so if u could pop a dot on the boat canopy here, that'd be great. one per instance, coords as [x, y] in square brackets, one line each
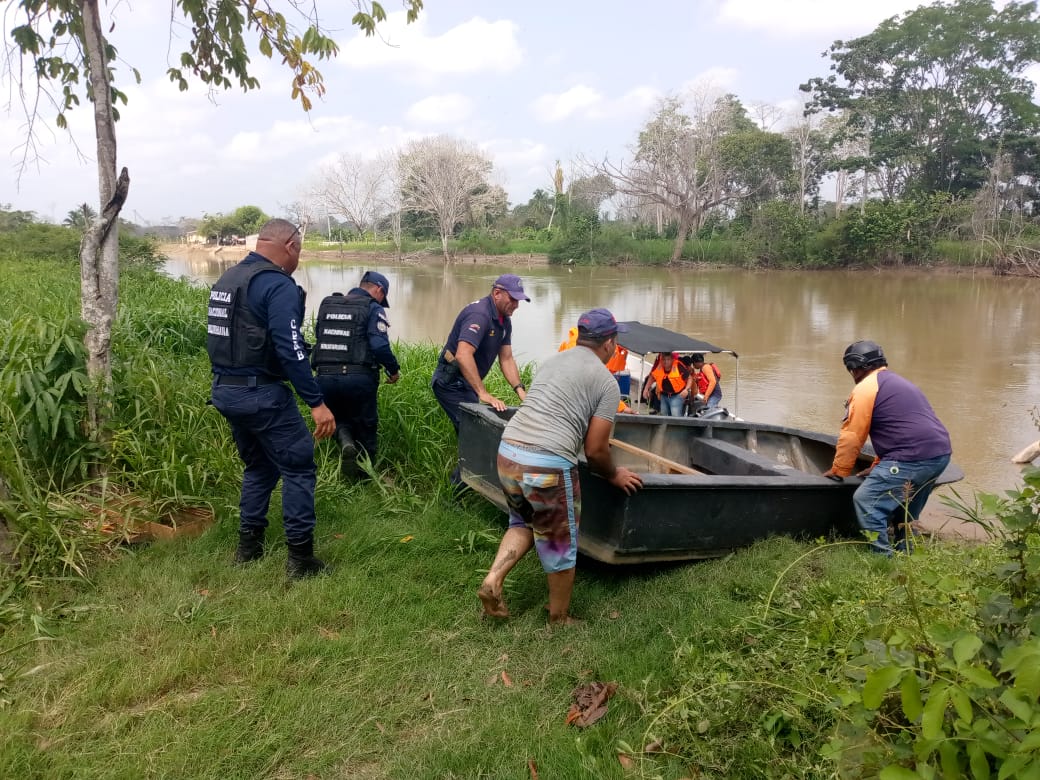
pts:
[644, 339]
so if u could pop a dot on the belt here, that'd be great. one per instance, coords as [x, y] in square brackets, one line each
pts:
[245, 381]
[345, 369]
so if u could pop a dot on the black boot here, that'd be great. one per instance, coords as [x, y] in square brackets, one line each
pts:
[302, 562]
[250, 546]
[348, 453]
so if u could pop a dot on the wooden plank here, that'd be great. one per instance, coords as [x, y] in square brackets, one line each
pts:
[798, 455]
[674, 467]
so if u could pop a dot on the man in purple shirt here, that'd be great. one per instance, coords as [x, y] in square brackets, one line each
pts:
[482, 332]
[255, 345]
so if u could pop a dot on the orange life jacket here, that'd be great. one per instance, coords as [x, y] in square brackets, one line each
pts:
[620, 360]
[616, 363]
[674, 376]
[570, 341]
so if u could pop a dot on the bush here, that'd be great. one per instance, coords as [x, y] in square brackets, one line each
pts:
[948, 697]
[780, 233]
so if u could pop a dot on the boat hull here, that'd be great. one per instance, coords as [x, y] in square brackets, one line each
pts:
[755, 481]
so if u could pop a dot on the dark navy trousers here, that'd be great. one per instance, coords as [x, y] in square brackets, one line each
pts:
[273, 441]
[450, 393]
[353, 400]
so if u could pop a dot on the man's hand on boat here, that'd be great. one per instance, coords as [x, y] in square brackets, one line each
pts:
[627, 480]
[494, 403]
[829, 473]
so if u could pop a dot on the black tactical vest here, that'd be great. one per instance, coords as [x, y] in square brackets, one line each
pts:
[235, 338]
[341, 332]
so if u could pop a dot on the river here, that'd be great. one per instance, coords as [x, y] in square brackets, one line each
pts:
[971, 342]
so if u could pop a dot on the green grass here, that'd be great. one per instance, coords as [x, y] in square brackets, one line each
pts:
[167, 661]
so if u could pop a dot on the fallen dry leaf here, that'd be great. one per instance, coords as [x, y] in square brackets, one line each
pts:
[626, 761]
[654, 747]
[506, 679]
[381, 727]
[590, 703]
[532, 768]
[491, 680]
[503, 658]
[203, 592]
[213, 631]
[338, 536]
[407, 538]
[327, 633]
[614, 615]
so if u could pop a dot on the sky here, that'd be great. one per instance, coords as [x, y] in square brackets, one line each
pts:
[528, 81]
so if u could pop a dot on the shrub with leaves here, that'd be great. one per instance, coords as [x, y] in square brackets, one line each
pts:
[950, 699]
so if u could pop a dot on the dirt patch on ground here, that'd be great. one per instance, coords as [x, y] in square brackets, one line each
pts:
[937, 521]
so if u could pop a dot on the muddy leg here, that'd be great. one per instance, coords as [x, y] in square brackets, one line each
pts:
[514, 546]
[561, 585]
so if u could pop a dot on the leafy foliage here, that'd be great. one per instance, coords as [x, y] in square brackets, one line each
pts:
[941, 698]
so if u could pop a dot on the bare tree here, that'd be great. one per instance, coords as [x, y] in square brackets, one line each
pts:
[439, 176]
[393, 204]
[693, 157]
[354, 188]
[809, 155]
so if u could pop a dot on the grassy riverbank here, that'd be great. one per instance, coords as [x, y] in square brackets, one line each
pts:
[165, 660]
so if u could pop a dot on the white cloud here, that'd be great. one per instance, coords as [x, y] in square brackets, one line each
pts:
[811, 17]
[474, 46]
[587, 103]
[441, 109]
[555, 108]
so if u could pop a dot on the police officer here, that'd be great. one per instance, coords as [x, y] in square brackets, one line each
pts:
[255, 345]
[352, 342]
[482, 332]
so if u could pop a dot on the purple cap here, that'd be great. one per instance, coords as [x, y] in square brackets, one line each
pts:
[376, 278]
[600, 323]
[511, 284]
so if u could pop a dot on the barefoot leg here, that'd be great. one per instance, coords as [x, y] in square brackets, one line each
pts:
[514, 546]
[561, 585]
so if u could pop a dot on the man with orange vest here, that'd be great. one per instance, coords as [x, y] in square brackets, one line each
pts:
[672, 380]
[707, 379]
[617, 362]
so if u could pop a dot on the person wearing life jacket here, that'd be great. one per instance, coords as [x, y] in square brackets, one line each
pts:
[618, 361]
[352, 343]
[256, 351]
[672, 381]
[912, 445]
[707, 378]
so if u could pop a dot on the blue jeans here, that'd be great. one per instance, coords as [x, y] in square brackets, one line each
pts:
[672, 405]
[895, 491]
[715, 398]
[273, 441]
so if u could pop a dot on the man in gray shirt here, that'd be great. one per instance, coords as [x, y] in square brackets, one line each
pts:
[570, 407]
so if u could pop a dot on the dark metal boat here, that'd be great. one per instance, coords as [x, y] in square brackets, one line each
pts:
[709, 486]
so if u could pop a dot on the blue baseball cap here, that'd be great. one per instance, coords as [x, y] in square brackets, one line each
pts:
[511, 284]
[600, 323]
[376, 278]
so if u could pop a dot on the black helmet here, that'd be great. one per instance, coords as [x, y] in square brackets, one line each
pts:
[863, 354]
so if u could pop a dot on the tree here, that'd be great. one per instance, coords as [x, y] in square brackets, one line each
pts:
[692, 158]
[79, 217]
[935, 92]
[439, 176]
[354, 188]
[65, 42]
